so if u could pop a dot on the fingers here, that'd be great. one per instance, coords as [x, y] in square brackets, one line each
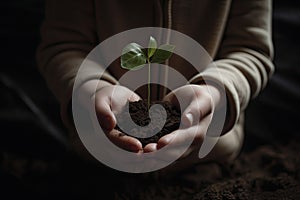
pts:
[134, 97]
[199, 107]
[104, 113]
[177, 140]
[125, 142]
[195, 101]
[181, 137]
[110, 100]
[120, 96]
[166, 155]
[194, 133]
[171, 154]
[180, 143]
[150, 148]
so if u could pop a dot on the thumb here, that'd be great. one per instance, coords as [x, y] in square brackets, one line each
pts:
[197, 110]
[192, 114]
[134, 97]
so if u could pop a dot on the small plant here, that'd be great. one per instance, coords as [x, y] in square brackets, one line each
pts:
[134, 57]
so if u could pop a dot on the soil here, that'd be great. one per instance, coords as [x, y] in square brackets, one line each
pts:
[140, 115]
[263, 171]
[36, 167]
[268, 172]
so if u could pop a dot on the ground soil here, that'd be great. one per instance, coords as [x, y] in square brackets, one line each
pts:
[140, 115]
[268, 171]
[265, 170]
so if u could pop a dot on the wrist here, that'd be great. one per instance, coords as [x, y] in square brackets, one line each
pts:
[215, 95]
[86, 92]
[90, 87]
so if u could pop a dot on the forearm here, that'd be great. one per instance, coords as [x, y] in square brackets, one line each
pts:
[243, 63]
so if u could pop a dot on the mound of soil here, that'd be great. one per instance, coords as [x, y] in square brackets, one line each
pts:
[140, 115]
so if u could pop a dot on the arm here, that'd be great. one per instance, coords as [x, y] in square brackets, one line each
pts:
[68, 36]
[244, 61]
[244, 57]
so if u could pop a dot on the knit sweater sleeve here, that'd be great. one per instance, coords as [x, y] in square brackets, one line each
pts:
[68, 34]
[244, 56]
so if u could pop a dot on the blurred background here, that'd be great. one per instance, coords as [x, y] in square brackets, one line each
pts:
[34, 157]
[274, 114]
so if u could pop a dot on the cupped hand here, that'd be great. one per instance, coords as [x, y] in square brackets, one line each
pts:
[198, 103]
[109, 101]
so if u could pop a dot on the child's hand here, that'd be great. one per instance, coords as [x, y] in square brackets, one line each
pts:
[110, 100]
[199, 102]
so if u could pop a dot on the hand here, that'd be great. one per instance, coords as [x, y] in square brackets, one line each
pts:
[109, 100]
[198, 103]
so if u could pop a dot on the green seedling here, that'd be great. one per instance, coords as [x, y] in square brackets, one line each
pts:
[135, 57]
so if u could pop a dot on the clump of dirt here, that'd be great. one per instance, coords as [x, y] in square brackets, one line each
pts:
[140, 115]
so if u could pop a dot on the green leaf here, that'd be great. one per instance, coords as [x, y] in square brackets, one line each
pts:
[133, 57]
[151, 47]
[163, 53]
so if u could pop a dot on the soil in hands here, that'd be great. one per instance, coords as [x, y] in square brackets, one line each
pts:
[139, 114]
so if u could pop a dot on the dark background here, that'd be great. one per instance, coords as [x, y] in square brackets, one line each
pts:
[275, 112]
[29, 114]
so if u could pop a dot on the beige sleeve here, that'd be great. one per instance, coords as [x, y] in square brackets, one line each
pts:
[68, 34]
[244, 56]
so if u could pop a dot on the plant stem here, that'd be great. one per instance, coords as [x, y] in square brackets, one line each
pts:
[149, 80]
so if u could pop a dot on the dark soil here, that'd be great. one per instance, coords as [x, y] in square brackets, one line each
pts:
[140, 115]
[266, 172]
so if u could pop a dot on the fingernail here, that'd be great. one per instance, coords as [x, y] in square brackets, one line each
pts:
[133, 98]
[190, 119]
[166, 140]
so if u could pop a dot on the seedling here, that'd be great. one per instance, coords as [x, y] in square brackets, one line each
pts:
[134, 57]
